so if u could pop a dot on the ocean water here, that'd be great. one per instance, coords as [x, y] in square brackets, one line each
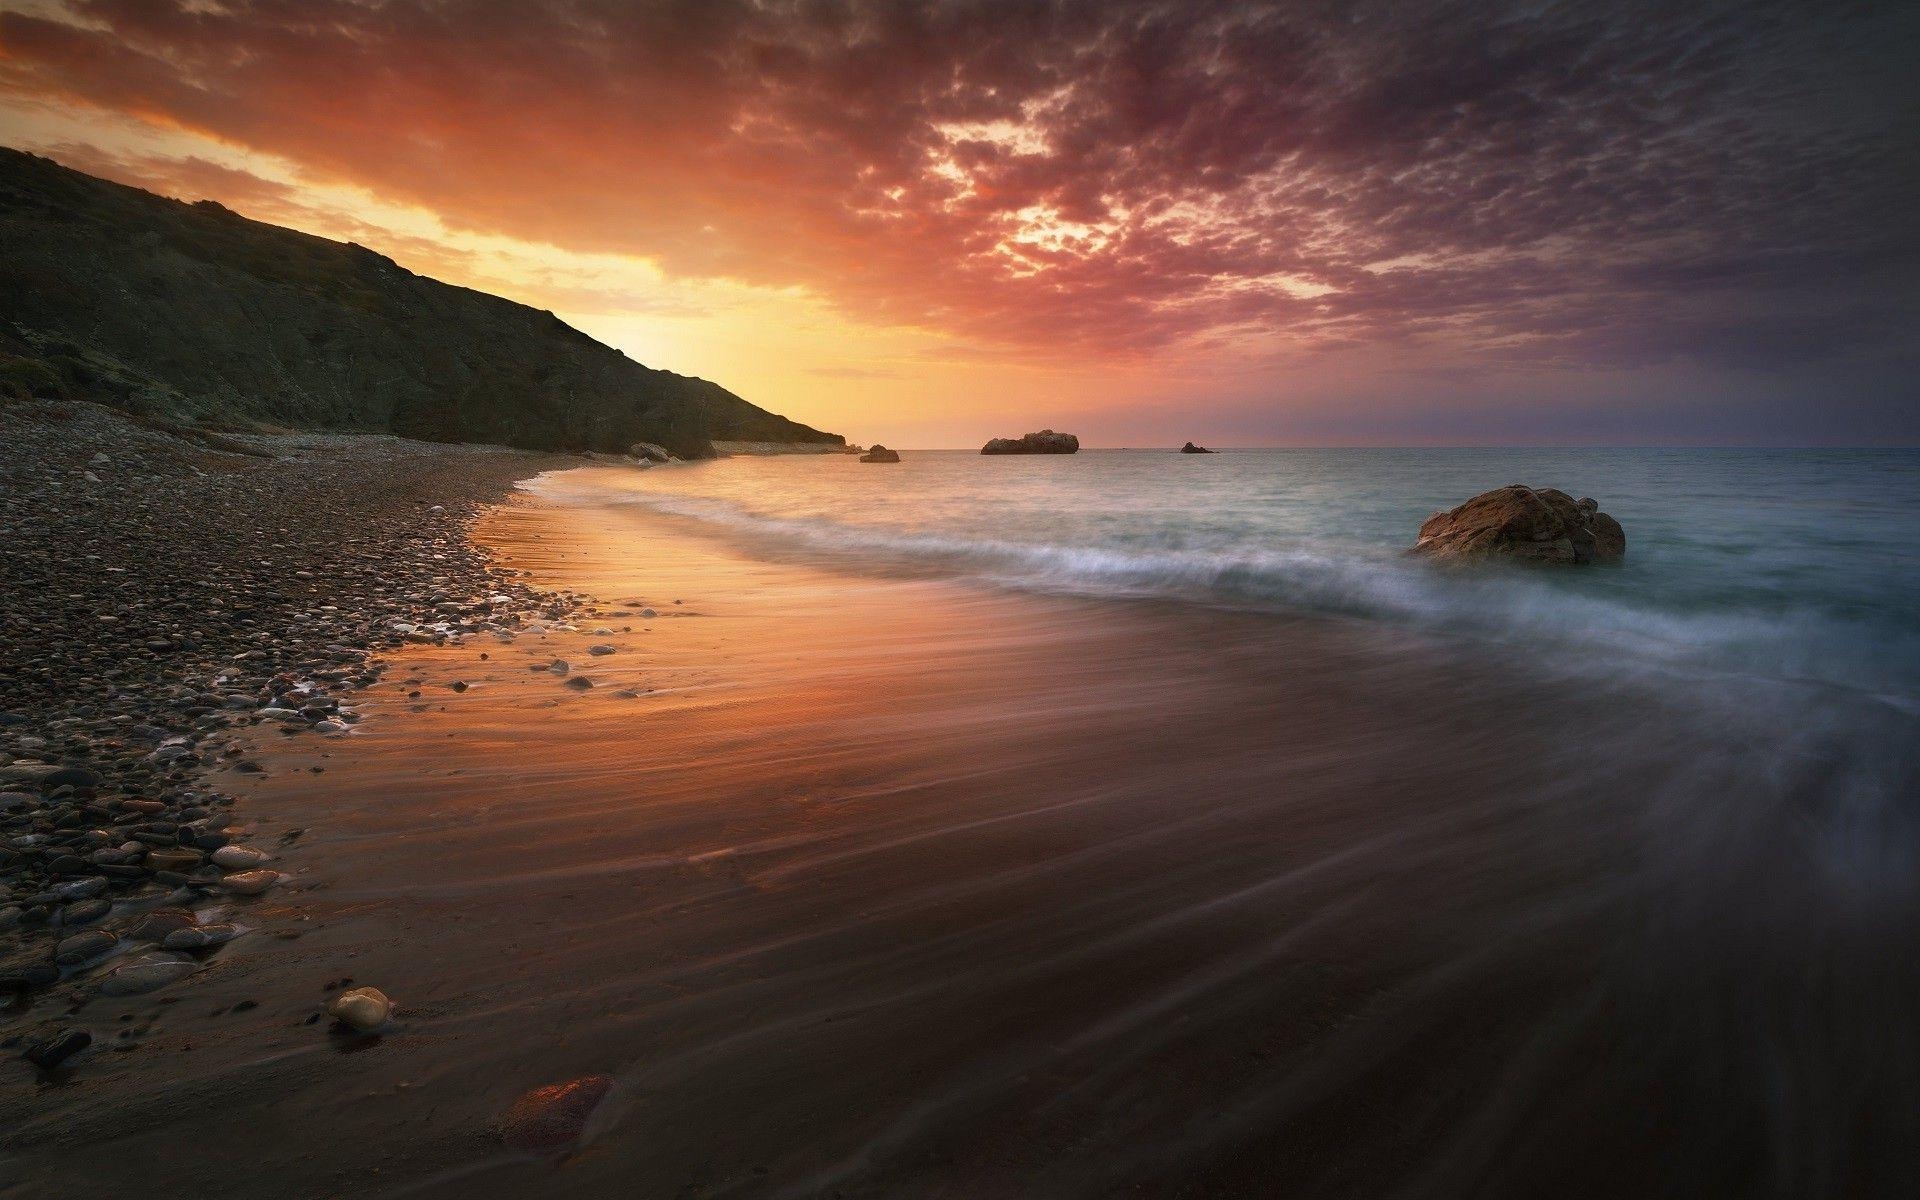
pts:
[1607, 880]
[1775, 568]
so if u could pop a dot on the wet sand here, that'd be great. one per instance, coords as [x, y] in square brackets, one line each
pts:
[890, 886]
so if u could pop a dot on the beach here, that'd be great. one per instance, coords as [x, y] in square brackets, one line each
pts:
[876, 882]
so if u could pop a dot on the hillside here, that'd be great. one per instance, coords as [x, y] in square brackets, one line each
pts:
[190, 312]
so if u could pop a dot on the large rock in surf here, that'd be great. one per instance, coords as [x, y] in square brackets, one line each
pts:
[1190, 448]
[880, 454]
[1044, 442]
[1526, 524]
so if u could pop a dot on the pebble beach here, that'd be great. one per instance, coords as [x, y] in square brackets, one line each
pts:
[172, 602]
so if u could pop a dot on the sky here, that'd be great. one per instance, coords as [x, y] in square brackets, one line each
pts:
[930, 222]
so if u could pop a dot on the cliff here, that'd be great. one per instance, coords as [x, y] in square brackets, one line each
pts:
[190, 312]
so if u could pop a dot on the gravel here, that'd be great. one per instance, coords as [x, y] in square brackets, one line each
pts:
[168, 597]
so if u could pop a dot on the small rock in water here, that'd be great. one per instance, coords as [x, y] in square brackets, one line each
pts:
[250, 883]
[146, 974]
[580, 683]
[554, 1118]
[49, 1054]
[558, 666]
[363, 1009]
[239, 858]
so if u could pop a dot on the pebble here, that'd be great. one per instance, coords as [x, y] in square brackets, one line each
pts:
[84, 912]
[554, 1118]
[156, 925]
[364, 1009]
[146, 974]
[201, 937]
[84, 946]
[580, 682]
[601, 650]
[239, 858]
[178, 859]
[250, 883]
[48, 1055]
[248, 598]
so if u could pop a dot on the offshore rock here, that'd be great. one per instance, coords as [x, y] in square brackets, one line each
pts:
[1525, 524]
[1044, 442]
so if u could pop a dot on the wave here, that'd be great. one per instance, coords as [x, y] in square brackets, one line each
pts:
[1547, 618]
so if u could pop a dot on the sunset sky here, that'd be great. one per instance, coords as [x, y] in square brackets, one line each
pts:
[927, 223]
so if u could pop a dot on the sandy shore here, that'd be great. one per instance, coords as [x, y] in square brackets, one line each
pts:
[873, 886]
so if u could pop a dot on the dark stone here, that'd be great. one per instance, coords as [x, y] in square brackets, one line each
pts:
[1190, 448]
[880, 454]
[1044, 442]
[76, 777]
[49, 1054]
[553, 1119]
[1526, 525]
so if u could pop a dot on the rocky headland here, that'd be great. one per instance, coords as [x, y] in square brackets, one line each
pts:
[191, 313]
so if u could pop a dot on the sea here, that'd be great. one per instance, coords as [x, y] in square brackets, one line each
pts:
[1619, 864]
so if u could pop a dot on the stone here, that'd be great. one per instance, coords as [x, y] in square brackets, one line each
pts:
[880, 454]
[1190, 448]
[602, 650]
[1523, 524]
[1044, 442]
[580, 683]
[177, 858]
[146, 974]
[250, 883]
[83, 947]
[156, 925]
[49, 1054]
[200, 937]
[79, 889]
[240, 858]
[85, 912]
[649, 452]
[363, 1009]
[555, 1118]
[27, 976]
[78, 777]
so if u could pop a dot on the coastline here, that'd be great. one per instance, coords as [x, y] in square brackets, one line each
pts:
[851, 855]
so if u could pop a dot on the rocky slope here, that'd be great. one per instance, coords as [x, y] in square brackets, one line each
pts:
[189, 312]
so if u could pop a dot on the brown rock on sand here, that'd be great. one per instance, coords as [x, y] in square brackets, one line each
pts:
[1542, 525]
[552, 1119]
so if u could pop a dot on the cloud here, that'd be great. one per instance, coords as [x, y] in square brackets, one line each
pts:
[1541, 185]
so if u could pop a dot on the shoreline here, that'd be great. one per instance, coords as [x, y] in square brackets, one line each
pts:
[139, 674]
[838, 879]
